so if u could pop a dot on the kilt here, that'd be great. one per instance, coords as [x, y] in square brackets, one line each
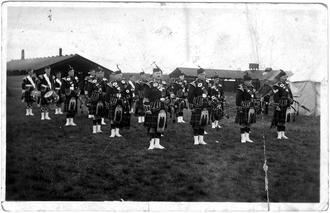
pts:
[139, 108]
[196, 118]
[126, 120]
[245, 117]
[92, 108]
[279, 117]
[152, 119]
[126, 116]
[180, 105]
[43, 101]
[100, 112]
[28, 97]
[60, 99]
[216, 113]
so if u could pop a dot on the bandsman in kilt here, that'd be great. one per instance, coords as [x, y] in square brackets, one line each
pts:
[103, 81]
[29, 91]
[217, 102]
[283, 100]
[118, 104]
[266, 91]
[155, 107]
[139, 89]
[71, 90]
[88, 81]
[246, 112]
[200, 105]
[130, 94]
[96, 98]
[46, 83]
[59, 89]
[178, 92]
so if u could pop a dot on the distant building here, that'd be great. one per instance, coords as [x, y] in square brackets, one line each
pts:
[57, 63]
[136, 76]
[230, 79]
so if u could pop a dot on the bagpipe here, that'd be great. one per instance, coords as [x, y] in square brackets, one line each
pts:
[266, 90]
[300, 105]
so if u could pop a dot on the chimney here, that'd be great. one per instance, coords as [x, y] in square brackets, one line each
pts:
[60, 52]
[22, 55]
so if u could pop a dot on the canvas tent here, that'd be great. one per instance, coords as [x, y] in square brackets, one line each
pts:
[307, 93]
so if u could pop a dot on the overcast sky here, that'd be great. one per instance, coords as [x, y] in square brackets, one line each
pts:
[225, 36]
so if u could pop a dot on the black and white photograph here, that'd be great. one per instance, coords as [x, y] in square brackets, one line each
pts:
[164, 106]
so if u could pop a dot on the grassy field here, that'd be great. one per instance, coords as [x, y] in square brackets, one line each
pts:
[47, 161]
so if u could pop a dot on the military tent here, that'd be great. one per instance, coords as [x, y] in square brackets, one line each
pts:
[307, 94]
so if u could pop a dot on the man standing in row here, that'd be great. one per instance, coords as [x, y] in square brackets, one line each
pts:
[58, 86]
[71, 89]
[87, 89]
[155, 108]
[139, 88]
[199, 105]
[29, 85]
[95, 92]
[245, 108]
[118, 104]
[179, 90]
[46, 84]
[217, 100]
[283, 99]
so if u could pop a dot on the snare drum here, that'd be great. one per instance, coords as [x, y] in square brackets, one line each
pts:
[51, 97]
[35, 94]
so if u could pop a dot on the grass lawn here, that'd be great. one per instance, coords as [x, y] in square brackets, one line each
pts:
[47, 161]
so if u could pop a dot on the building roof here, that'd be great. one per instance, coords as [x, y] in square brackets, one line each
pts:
[233, 74]
[40, 63]
[35, 63]
[263, 75]
[136, 76]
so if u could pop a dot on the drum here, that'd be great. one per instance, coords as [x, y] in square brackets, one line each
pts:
[198, 101]
[51, 97]
[155, 106]
[35, 94]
